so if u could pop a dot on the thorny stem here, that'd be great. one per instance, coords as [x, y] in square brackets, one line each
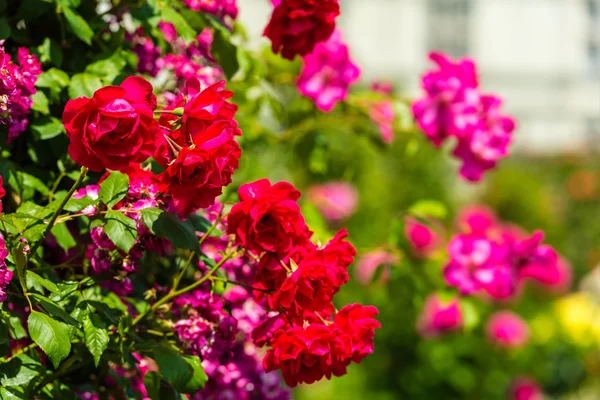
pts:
[65, 218]
[186, 289]
[82, 175]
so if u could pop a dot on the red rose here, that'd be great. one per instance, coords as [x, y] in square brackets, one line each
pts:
[357, 321]
[199, 173]
[268, 218]
[319, 275]
[271, 273]
[202, 108]
[296, 26]
[2, 193]
[114, 128]
[303, 355]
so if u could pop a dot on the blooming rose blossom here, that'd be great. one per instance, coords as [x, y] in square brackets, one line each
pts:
[328, 72]
[199, 173]
[114, 128]
[439, 317]
[318, 276]
[17, 85]
[296, 26]
[507, 329]
[337, 201]
[370, 262]
[307, 354]
[268, 218]
[454, 107]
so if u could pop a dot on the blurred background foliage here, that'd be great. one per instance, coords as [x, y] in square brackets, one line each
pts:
[558, 195]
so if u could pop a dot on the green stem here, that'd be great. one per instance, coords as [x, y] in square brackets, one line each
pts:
[65, 218]
[82, 175]
[186, 289]
[19, 352]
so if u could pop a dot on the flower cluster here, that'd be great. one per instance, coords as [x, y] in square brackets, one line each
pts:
[116, 130]
[204, 151]
[497, 258]
[296, 26]
[219, 8]
[184, 60]
[328, 72]
[17, 85]
[307, 339]
[453, 107]
[102, 254]
[223, 342]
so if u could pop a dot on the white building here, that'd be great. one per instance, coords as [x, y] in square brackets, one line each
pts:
[541, 56]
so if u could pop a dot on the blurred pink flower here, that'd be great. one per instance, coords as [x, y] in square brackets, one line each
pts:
[525, 389]
[422, 238]
[507, 329]
[337, 201]
[476, 219]
[382, 87]
[328, 72]
[369, 263]
[382, 113]
[439, 317]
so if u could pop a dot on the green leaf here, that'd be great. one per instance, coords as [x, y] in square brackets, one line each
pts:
[40, 102]
[52, 336]
[63, 237]
[49, 128]
[54, 309]
[50, 50]
[53, 78]
[199, 377]
[173, 367]
[12, 393]
[149, 216]
[84, 85]
[34, 279]
[80, 28]
[114, 188]
[24, 184]
[199, 223]
[19, 371]
[109, 68]
[75, 205]
[428, 208]
[182, 27]
[121, 230]
[181, 234]
[96, 336]
[152, 384]
[225, 53]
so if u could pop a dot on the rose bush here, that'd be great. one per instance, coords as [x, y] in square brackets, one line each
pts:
[151, 245]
